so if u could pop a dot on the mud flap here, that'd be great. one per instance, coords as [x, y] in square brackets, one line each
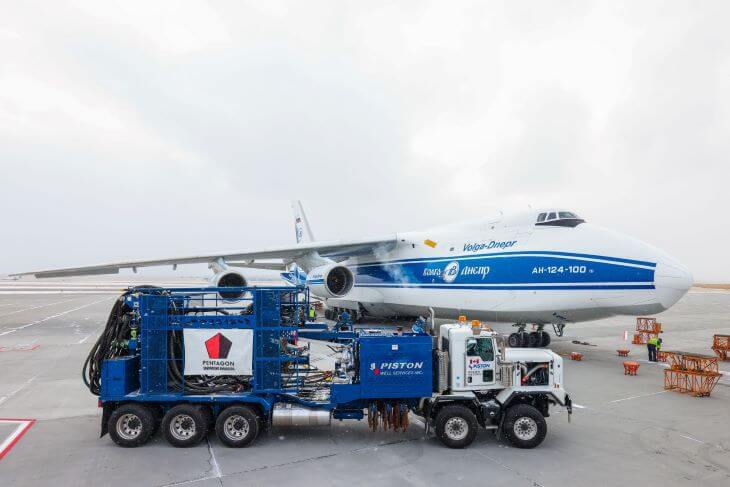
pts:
[106, 412]
[569, 406]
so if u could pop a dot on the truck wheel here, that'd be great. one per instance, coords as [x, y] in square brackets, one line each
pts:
[237, 426]
[514, 340]
[456, 426]
[184, 425]
[544, 339]
[524, 426]
[131, 425]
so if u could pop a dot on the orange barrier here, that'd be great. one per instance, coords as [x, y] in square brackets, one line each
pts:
[693, 362]
[630, 367]
[649, 325]
[646, 328]
[698, 384]
[661, 355]
[721, 346]
[623, 353]
[576, 356]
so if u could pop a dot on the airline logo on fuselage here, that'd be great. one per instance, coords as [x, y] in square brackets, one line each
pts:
[492, 244]
[453, 270]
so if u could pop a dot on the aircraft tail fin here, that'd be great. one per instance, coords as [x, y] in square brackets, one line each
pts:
[301, 225]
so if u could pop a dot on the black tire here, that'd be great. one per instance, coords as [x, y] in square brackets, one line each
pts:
[157, 415]
[209, 418]
[456, 426]
[237, 426]
[523, 338]
[185, 425]
[544, 339]
[524, 426]
[533, 339]
[514, 340]
[131, 425]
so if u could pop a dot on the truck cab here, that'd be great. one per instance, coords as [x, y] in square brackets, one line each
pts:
[480, 382]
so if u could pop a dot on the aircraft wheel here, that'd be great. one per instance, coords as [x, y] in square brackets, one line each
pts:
[514, 340]
[533, 340]
[544, 339]
[524, 337]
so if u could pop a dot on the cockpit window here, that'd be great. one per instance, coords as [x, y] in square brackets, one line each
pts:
[559, 219]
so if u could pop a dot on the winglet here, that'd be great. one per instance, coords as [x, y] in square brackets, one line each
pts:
[301, 225]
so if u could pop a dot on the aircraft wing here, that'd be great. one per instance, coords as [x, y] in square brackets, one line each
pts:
[337, 249]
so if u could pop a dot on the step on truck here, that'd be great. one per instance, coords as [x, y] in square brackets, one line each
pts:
[188, 361]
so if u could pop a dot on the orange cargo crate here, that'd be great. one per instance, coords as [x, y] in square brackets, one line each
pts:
[721, 346]
[698, 384]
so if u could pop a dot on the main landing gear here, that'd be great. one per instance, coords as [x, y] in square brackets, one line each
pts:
[534, 339]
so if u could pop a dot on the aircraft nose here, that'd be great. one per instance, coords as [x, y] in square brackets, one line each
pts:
[672, 280]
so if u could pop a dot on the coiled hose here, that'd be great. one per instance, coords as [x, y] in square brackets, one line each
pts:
[109, 345]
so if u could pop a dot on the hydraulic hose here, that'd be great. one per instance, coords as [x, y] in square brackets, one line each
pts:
[108, 345]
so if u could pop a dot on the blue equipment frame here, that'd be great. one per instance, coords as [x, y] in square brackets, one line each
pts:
[389, 366]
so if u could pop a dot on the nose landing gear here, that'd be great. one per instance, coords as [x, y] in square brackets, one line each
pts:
[535, 339]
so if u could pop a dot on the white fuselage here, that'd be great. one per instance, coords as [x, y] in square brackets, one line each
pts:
[513, 271]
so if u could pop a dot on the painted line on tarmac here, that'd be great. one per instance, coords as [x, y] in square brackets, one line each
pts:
[20, 348]
[36, 307]
[23, 426]
[13, 330]
[25, 384]
[637, 397]
[83, 340]
[693, 439]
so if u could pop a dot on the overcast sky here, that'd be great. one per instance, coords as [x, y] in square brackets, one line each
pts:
[133, 129]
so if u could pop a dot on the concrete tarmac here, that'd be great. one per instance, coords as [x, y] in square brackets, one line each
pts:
[625, 430]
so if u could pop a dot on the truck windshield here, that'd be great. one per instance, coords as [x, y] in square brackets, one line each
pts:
[480, 347]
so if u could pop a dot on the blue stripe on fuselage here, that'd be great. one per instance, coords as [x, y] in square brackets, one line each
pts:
[529, 270]
[525, 287]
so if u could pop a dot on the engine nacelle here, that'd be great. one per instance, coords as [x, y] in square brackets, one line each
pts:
[229, 279]
[330, 281]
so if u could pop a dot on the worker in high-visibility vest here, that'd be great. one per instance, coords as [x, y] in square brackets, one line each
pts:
[651, 345]
[312, 314]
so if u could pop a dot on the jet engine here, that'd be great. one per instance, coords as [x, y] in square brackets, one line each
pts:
[229, 279]
[330, 281]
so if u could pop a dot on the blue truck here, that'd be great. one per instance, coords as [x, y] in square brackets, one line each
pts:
[190, 360]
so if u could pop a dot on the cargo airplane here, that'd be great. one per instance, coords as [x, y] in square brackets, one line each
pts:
[545, 267]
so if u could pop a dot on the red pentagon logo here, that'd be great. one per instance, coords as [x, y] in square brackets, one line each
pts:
[218, 346]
